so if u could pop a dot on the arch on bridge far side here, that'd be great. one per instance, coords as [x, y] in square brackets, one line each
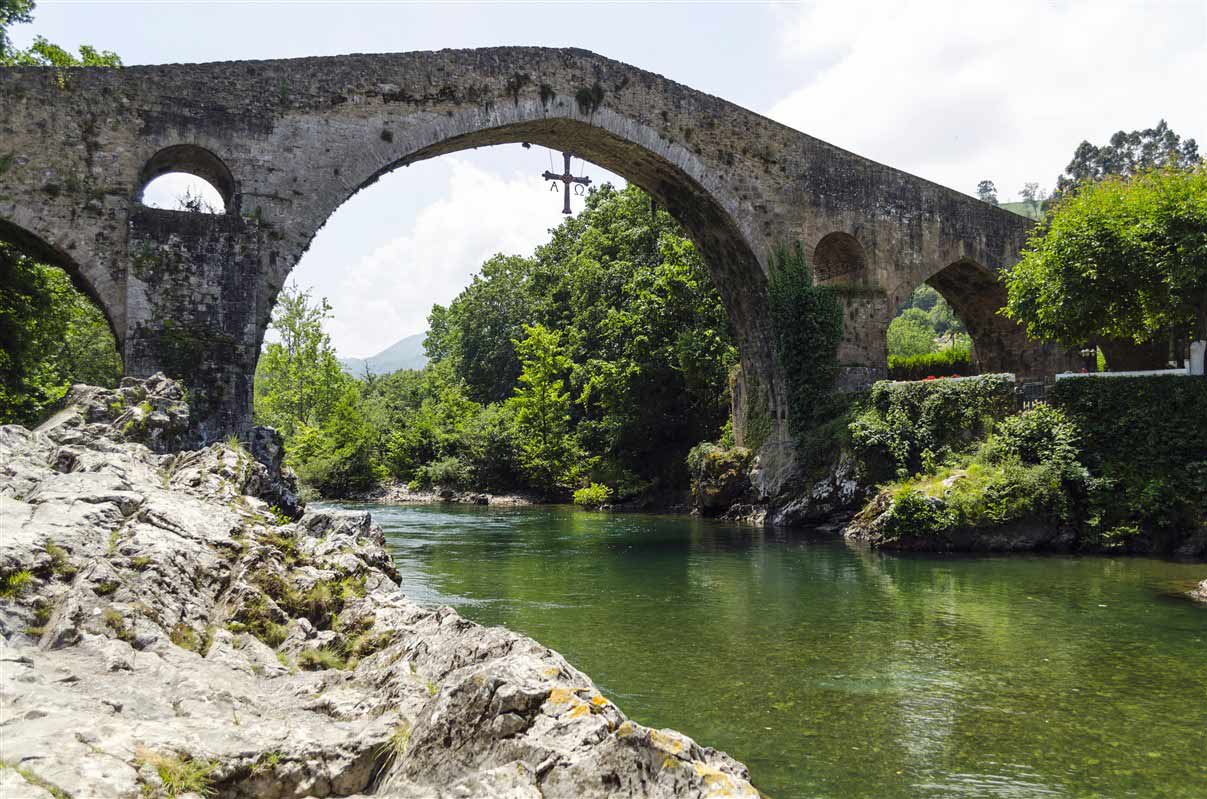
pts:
[977, 296]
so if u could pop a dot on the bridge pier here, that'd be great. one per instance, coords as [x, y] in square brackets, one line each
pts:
[195, 309]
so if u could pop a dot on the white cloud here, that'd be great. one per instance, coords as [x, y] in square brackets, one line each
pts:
[380, 297]
[957, 93]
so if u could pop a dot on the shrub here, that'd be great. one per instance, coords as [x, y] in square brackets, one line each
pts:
[901, 421]
[180, 774]
[1041, 434]
[950, 362]
[450, 472]
[1151, 423]
[1145, 439]
[592, 496]
[312, 659]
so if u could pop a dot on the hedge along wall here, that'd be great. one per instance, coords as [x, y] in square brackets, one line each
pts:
[954, 361]
[904, 420]
[1149, 424]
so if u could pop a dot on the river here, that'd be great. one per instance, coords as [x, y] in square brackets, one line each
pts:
[837, 672]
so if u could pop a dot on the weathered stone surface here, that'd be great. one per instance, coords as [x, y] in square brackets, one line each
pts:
[171, 622]
[286, 142]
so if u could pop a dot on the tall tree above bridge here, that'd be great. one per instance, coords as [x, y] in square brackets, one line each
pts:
[986, 191]
[1127, 154]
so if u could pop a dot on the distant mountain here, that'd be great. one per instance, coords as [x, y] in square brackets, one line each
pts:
[406, 353]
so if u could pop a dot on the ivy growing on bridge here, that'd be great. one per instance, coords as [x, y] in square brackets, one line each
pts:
[806, 322]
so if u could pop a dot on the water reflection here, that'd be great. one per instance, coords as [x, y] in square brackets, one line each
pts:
[835, 671]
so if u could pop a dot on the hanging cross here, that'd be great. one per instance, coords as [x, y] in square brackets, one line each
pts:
[567, 179]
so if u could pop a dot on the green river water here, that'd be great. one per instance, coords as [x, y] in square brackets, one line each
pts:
[832, 671]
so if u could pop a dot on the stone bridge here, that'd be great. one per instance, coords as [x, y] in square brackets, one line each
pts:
[286, 142]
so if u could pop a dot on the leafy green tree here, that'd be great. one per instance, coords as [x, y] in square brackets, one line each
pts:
[542, 408]
[1120, 258]
[51, 336]
[911, 334]
[299, 378]
[639, 318]
[12, 12]
[1128, 154]
[338, 456]
[43, 53]
[478, 329]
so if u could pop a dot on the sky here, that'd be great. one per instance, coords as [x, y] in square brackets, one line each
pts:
[953, 92]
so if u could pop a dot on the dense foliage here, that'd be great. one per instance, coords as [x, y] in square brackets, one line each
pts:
[601, 358]
[1120, 258]
[807, 323]
[51, 336]
[907, 426]
[1096, 463]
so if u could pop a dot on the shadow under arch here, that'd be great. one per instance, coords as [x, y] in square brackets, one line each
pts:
[37, 248]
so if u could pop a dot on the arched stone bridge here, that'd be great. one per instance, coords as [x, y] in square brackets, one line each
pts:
[286, 142]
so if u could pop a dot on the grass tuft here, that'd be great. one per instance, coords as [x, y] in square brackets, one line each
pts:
[180, 774]
[15, 584]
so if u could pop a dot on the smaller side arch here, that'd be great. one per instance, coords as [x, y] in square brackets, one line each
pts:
[999, 344]
[840, 258]
[194, 160]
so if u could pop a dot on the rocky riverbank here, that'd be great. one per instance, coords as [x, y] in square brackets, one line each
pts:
[168, 630]
[402, 494]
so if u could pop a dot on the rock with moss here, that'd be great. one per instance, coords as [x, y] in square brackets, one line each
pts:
[720, 477]
[164, 634]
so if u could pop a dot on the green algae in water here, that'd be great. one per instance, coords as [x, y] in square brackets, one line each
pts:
[836, 672]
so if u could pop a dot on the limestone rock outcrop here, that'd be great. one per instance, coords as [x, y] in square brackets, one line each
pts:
[165, 632]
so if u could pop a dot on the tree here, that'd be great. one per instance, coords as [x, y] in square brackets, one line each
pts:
[11, 12]
[542, 407]
[299, 379]
[51, 336]
[1033, 196]
[911, 334]
[1119, 259]
[337, 457]
[987, 192]
[1128, 154]
[642, 324]
[476, 331]
[43, 53]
